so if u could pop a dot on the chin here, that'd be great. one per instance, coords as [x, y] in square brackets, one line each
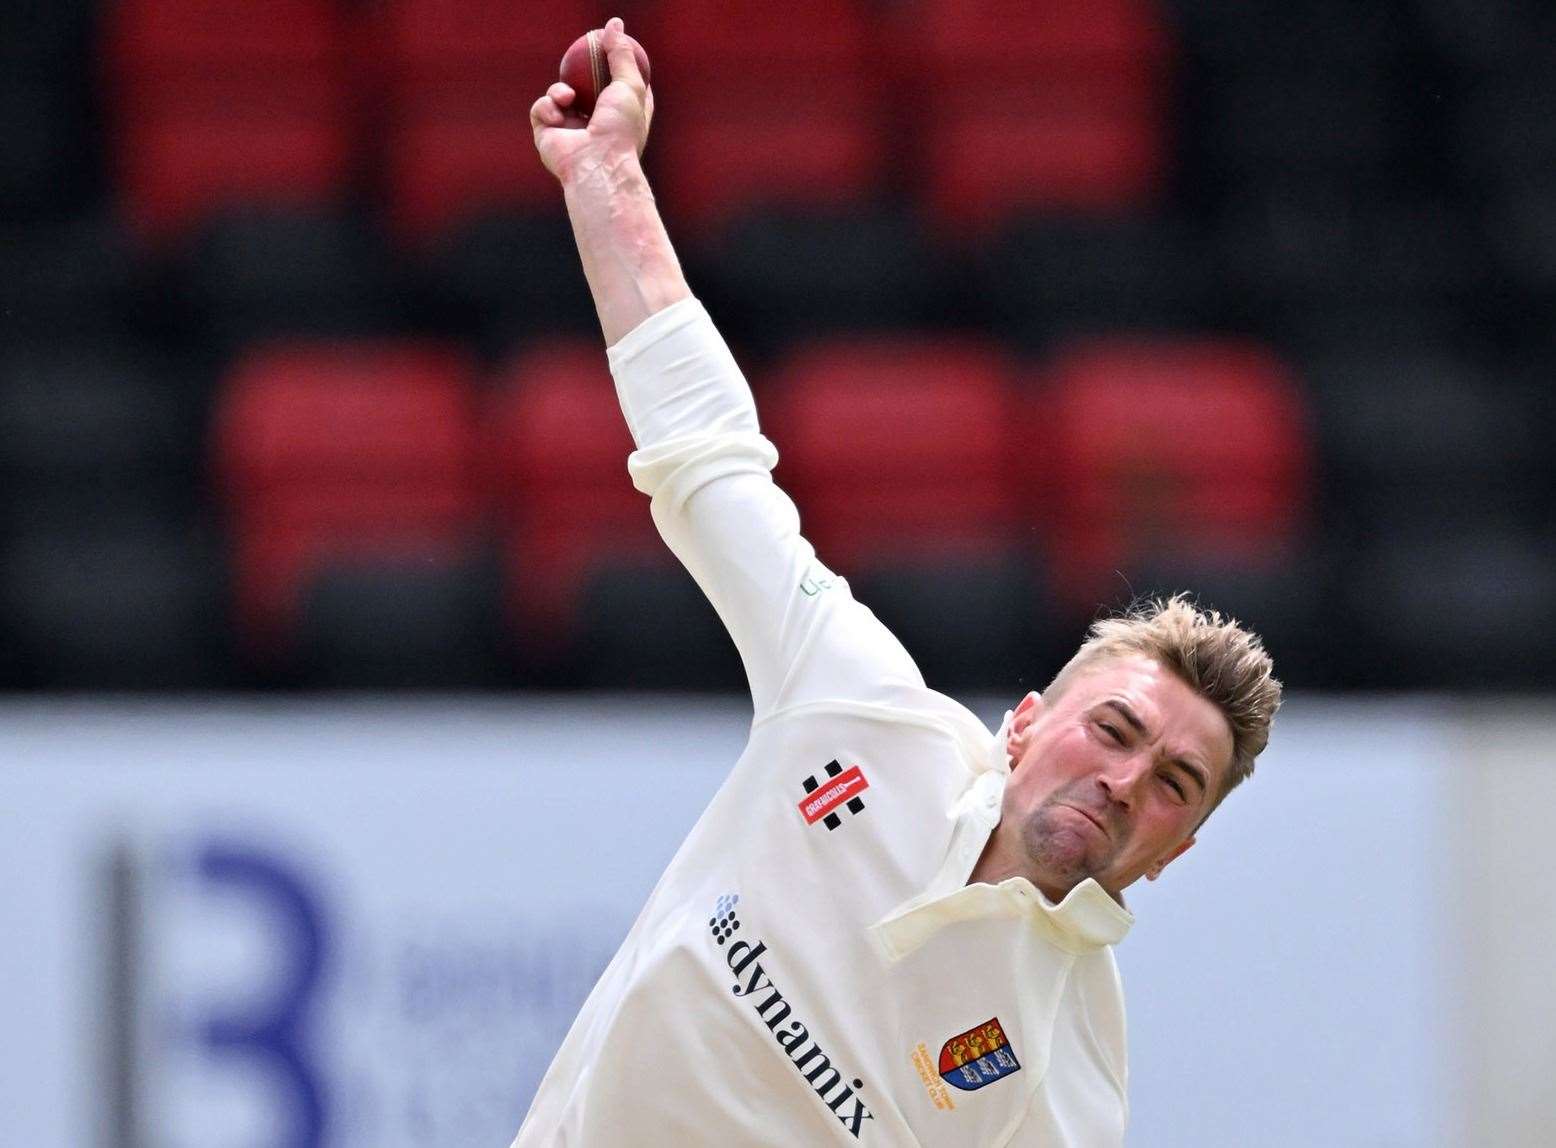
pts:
[1059, 854]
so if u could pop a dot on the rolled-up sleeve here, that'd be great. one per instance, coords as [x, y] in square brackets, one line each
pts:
[704, 463]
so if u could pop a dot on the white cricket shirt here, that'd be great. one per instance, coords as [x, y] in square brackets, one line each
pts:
[813, 967]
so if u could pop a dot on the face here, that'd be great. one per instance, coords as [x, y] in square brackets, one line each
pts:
[1110, 777]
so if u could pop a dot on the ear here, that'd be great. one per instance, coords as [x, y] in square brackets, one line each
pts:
[1027, 711]
[1155, 871]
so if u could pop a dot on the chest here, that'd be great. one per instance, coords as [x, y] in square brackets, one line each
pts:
[943, 1041]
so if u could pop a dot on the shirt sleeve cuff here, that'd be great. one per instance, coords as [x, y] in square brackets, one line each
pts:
[655, 327]
[676, 377]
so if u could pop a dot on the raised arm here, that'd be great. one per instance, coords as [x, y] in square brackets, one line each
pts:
[627, 257]
[701, 456]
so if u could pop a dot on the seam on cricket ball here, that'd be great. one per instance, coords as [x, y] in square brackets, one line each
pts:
[597, 68]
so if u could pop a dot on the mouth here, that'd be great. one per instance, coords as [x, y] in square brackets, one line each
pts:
[1091, 817]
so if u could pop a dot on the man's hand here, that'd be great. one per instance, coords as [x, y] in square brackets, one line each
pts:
[627, 258]
[568, 142]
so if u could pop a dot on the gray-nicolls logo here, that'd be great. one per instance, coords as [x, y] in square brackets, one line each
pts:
[753, 985]
[836, 789]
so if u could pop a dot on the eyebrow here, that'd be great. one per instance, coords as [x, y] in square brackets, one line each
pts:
[1188, 767]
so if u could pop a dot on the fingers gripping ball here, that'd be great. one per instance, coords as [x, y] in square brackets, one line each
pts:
[586, 70]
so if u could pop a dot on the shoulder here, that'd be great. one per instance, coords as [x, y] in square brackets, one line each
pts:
[887, 700]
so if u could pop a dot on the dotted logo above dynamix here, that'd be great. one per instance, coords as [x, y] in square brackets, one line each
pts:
[723, 922]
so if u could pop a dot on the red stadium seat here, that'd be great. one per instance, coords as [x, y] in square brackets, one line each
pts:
[441, 39]
[763, 105]
[699, 40]
[177, 169]
[1165, 449]
[1061, 162]
[168, 39]
[276, 555]
[556, 451]
[926, 468]
[1058, 106]
[329, 451]
[458, 78]
[715, 164]
[447, 166]
[954, 41]
[901, 455]
[211, 104]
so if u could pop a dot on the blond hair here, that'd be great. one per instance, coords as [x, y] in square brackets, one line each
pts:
[1220, 660]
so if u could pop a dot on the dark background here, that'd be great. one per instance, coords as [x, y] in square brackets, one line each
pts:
[1045, 304]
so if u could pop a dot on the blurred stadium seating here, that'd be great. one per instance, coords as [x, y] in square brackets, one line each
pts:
[933, 534]
[1045, 305]
[339, 455]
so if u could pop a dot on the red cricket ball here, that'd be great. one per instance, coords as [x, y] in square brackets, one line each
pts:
[586, 71]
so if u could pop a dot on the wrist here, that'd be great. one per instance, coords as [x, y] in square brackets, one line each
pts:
[611, 172]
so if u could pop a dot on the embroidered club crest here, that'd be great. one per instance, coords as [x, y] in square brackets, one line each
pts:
[978, 1057]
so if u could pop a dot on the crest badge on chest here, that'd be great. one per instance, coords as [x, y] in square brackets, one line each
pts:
[978, 1057]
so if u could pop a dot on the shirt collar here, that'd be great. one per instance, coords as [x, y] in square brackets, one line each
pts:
[1087, 919]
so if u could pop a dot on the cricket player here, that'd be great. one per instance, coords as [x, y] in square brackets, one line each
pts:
[890, 927]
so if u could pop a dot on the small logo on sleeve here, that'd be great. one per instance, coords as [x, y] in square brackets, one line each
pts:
[817, 578]
[838, 787]
[978, 1057]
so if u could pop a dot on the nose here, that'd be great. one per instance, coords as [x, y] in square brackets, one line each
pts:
[1121, 782]
[1117, 792]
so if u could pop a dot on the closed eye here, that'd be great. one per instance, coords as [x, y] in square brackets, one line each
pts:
[1177, 786]
[1112, 731]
